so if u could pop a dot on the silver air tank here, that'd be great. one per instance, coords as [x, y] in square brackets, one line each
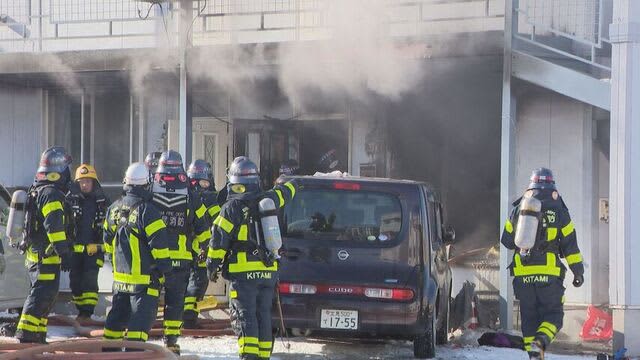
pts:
[270, 227]
[17, 214]
[528, 222]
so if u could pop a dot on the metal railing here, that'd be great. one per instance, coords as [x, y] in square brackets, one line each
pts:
[569, 29]
[56, 25]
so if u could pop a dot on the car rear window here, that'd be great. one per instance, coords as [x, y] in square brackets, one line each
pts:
[362, 217]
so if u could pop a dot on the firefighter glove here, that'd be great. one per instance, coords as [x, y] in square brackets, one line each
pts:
[578, 280]
[92, 249]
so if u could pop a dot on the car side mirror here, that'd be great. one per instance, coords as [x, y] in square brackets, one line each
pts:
[448, 234]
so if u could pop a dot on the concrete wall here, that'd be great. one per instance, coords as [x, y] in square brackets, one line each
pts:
[20, 134]
[557, 132]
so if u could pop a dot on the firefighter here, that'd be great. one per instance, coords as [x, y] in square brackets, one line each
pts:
[235, 247]
[151, 162]
[136, 240]
[89, 206]
[48, 250]
[536, 267]
[289, 168]
[187, 226]
[202, 185]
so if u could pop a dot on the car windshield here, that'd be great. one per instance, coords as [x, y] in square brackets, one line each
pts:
[355, 216]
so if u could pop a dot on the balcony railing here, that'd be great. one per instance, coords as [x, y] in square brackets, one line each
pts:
[565, 30]
[61, 25]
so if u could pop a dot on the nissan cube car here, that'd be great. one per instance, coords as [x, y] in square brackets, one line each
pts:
[366, 257]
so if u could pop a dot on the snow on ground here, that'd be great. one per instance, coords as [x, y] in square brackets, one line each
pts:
[225, 348]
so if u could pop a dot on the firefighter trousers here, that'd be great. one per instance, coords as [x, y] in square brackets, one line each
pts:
[45, 282]
[83, 280]
[198, 283]
[175, 288]
[251, 301]
[541, 307]
[133, 313]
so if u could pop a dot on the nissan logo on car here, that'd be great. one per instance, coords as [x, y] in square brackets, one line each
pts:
[343, 255]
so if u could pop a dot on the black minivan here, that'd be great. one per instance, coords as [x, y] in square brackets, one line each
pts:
[366, 256]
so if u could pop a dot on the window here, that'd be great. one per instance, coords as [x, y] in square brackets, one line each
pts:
[358, 217]
[210, 149]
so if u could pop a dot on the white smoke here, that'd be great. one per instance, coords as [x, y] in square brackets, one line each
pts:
[360, 57]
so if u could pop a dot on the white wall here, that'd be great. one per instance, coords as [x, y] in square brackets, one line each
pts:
[556, 132]
[20, 130]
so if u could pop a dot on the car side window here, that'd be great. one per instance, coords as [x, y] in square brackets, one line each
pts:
[439, 220]
[436, 235]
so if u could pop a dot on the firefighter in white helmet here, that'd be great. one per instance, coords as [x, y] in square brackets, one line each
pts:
[136, 240]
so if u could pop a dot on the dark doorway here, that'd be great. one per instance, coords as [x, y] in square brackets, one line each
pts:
[271, 142]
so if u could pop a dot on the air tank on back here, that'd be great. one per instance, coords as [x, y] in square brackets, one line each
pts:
[528, 222]
[270, 227]
[17, 214]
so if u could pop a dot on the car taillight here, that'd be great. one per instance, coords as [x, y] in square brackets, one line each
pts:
[346, 186]
[391, 294]
[286, 288]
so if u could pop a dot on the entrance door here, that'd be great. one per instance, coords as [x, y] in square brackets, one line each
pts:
[211, 138]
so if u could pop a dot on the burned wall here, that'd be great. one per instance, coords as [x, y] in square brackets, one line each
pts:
[447, 132]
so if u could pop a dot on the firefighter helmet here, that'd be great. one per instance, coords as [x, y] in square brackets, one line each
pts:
[86, 171]
[200, 170]
[243, 171]
[136, 175]
[329, 161]
[151, 161]
[170, 162]
[54, 159]
[542, 179]
[200, 173]
[289, 167]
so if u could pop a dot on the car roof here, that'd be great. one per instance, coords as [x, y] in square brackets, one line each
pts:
[319, 179]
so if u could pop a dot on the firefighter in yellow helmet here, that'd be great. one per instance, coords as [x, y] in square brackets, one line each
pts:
[89, 205]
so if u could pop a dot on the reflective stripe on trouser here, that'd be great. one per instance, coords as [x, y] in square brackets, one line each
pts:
[541, 309]
[175, 287]
[198, 283]
[45, 281]
[251, 316]
[83, 280]
[132, 314]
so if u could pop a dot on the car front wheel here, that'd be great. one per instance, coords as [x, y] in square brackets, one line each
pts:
[424, 345]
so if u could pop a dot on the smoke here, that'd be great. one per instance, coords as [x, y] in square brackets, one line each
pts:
[357, 59]
[360, 57]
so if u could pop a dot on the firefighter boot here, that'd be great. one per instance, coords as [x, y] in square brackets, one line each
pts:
[537, 349]
[191, 324]
[83, 316]
[171, 343]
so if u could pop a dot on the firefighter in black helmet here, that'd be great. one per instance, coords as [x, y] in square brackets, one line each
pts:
[48, 249]
[202, 185]
[184, 215]
[235, 249]
[151, 162]
[541, 231]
